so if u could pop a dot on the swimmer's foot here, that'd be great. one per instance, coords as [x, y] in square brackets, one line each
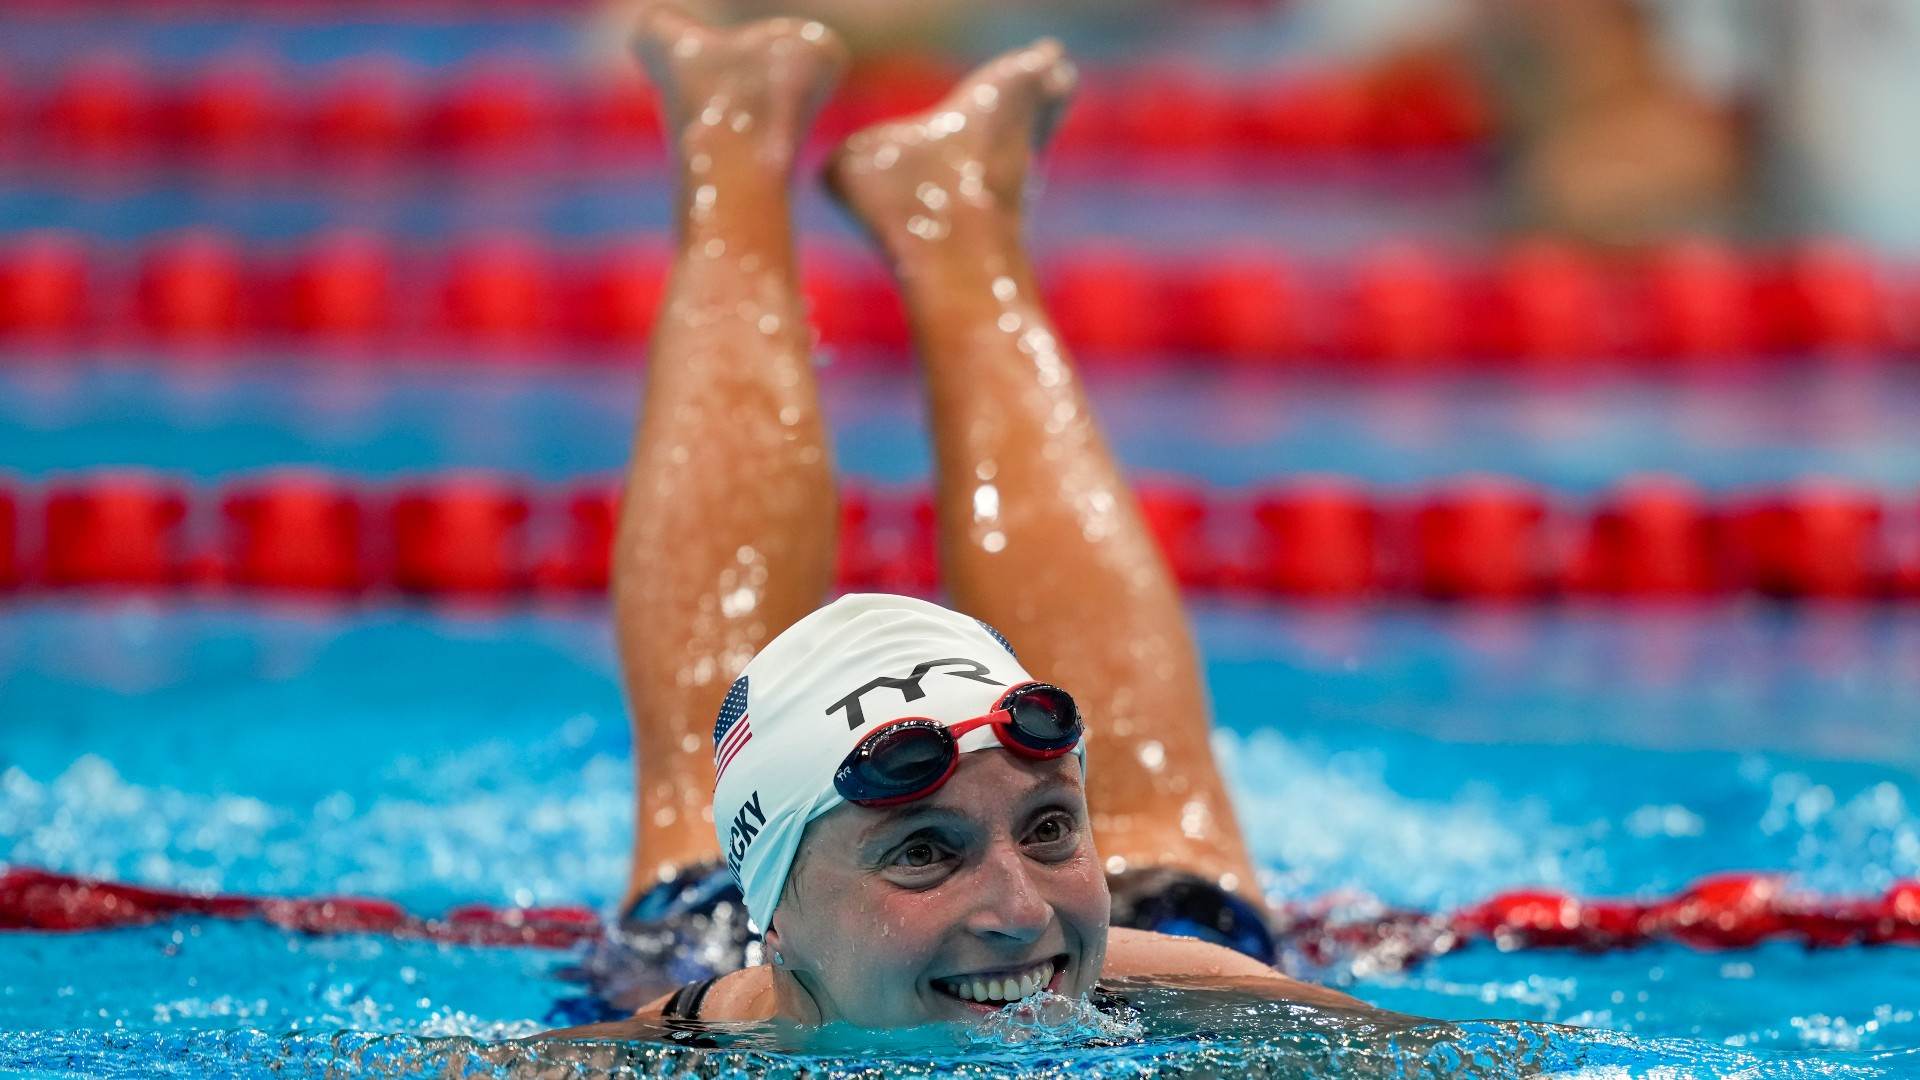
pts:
[962, 163]
[758, 85]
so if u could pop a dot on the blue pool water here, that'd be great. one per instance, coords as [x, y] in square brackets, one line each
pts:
[1409, 756]
[1424, 758]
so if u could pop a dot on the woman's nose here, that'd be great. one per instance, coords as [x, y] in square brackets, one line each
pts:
[1012, 905]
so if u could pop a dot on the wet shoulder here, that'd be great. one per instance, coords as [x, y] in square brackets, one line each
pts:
[735, 996]
[1143, 954]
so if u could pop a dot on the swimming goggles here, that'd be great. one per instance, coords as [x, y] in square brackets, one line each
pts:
[909, 758]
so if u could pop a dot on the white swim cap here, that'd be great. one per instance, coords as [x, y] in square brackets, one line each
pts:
[808, 698]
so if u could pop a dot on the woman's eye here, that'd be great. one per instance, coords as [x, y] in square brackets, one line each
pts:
[917, 856]
[1052, 830]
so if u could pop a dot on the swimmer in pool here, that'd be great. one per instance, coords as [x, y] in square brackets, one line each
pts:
[929, 813]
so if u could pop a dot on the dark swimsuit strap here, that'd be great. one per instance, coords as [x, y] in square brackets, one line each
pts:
[685, 1002]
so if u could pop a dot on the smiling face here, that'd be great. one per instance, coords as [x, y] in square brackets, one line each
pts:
[987, 888]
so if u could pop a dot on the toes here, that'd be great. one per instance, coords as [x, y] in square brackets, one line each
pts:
[661, 24]
[1060, 80]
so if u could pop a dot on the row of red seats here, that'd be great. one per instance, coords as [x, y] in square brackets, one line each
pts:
[1724, 911]
[1481, 539]
[1402, 306]
[252, 106]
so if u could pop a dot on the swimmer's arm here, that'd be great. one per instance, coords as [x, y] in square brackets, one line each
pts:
[1144, 954]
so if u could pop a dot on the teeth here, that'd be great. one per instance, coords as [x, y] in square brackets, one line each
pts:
[1001, 990]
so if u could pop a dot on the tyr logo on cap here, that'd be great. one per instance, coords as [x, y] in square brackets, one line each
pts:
[909, 687]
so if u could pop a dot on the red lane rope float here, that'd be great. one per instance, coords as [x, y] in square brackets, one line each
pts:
[1314, 539]
[248, 107]
[505, 296]
[1723, 912]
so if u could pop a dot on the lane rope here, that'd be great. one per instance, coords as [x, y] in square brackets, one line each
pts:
[353, 298]
[1720, 912]
[492, 537]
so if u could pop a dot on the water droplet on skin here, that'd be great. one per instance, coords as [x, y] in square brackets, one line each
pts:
[739, 602]
[986, 502]
[665, 816]
[931, 195]
[769, 324]
[926, 228]
[678, 455]
[698, 164]
[886, 157]
[713, 114]
[1116, 864]
[741, 122]
[705, 196]
[687, 48]
[1009, 322]
[986, 95]
[744, 555]
[986, 470]
[790, 416]
[1152, 755]
[994, 542]
[813, 31]
[1194, 819]
[690, 742]
[713, 249]
[1004, 289]
[947, 123]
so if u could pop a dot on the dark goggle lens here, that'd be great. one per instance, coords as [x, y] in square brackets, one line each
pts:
[1045, 718]
[903, 759]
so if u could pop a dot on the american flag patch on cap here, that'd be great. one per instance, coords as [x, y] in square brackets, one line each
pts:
[730, 730]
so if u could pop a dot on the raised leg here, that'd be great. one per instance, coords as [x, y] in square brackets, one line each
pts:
[728, 527]
[1040, 534]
